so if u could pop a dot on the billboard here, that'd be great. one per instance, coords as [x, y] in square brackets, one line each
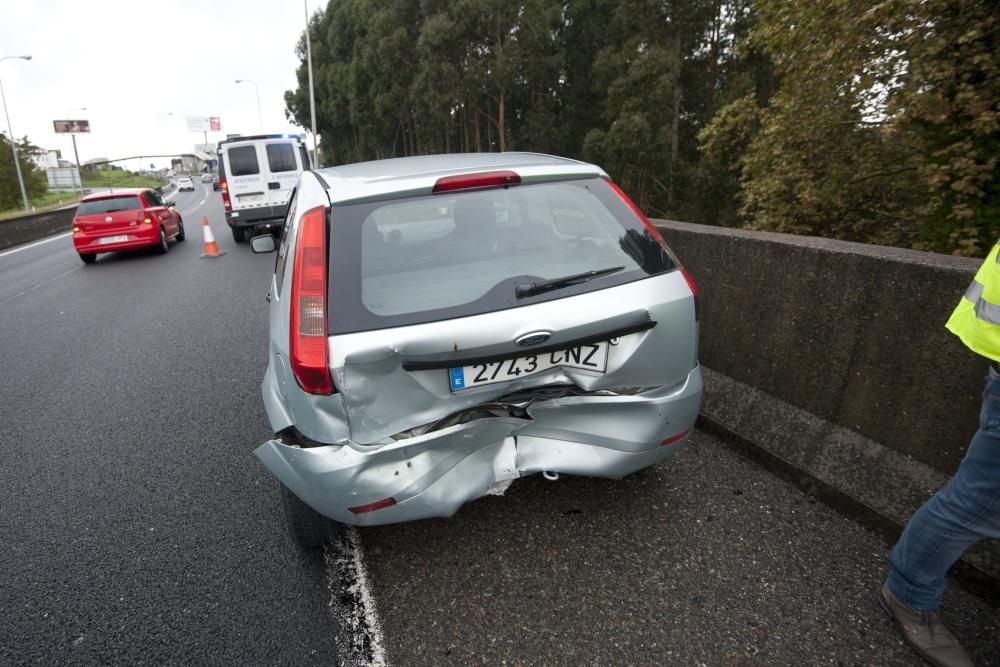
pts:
[204, 124]
[71, 126]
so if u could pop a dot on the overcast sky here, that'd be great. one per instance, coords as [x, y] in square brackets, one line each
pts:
[133, 62]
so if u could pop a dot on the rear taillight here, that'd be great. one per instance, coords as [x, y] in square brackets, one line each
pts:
[224, 187]
[489, 179]
[307, 337]
[655, 233]
[146, 217]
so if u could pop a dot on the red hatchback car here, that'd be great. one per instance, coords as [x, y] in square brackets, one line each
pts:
[126, 219]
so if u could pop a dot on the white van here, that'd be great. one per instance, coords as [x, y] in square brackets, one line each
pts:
[257, 175]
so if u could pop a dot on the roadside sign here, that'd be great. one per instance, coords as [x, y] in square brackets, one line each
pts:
[71, 126]
[204, 124]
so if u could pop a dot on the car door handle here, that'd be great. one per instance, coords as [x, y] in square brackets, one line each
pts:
[274, 186]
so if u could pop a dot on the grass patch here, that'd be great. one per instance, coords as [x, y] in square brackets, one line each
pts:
[104, 179]
[42, 203]
[119, 179]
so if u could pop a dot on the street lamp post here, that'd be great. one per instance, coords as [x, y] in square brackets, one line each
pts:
[312, 98]
[260, 123]
[10, 132]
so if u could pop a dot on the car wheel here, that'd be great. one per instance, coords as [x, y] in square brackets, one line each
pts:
[180, 230]
[307, 527]
[162, 247]
[88, 257]
[239, 234]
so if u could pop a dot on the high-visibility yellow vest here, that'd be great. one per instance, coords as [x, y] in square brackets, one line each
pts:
[976, 320]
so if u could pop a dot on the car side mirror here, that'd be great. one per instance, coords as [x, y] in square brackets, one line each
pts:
[262, 244]
[169, 203]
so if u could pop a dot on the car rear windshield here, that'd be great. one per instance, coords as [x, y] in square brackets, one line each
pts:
[109, 205]
[243, 161]
[436, 257]
[281, 157]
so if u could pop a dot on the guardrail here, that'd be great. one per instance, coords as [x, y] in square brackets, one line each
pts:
[830, 361]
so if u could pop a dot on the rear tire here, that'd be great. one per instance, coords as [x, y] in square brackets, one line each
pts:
[163, 245]
[307, 527]
[88, 257]
[239, 234]
[180, 231]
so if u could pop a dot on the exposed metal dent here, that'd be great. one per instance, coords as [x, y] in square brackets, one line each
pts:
[627, 423]
[332, 479]
[434, 473]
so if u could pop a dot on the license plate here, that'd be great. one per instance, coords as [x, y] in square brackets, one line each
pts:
[250, 198]
[592, 357]
[113, 239]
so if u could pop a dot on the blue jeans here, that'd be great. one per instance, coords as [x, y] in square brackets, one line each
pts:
[965, 511]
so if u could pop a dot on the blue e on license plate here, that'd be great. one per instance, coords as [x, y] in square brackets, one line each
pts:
[591, 357]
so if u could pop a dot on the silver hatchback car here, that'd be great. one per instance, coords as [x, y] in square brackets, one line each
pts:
[442, 325]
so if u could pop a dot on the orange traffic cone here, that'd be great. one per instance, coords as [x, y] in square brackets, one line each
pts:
[211, 247]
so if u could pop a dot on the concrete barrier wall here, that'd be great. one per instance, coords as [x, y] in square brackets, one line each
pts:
[32, 227]
[829, 361]
[849, 332]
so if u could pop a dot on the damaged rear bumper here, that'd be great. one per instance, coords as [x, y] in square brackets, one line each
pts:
[432, 475]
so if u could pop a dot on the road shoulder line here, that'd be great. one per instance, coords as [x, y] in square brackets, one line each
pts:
[352, 603]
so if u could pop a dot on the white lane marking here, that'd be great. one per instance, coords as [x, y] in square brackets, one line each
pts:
[202, 202]
[32, 245]
[41, 284]
[196, 206]
[352, 602]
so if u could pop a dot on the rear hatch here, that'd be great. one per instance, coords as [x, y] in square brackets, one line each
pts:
[446, 302]
[109, 215]
[261, 175]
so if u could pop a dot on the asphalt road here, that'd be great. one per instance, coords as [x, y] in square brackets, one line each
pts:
[136, 526]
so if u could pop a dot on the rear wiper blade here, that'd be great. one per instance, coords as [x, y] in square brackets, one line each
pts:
[532, 289]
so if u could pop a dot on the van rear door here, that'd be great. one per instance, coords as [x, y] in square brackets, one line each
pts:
[247, 181]
[281, 163]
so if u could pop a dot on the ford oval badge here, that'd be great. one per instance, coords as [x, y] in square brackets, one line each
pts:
[533, 338]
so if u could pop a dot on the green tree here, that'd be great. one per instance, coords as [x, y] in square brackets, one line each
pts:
[35, 182]
[882, 128]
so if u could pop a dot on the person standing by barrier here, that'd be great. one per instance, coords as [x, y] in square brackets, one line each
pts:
[967, 509]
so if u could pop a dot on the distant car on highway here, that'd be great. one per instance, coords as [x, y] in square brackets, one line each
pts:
[257, 176]
[171, 173]
[206, 178]
[216, 185]
[185, 183]
[442, 325]
[128, 219]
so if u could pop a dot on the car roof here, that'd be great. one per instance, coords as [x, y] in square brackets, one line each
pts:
[400, 177]
[258, 137]
[117, 192]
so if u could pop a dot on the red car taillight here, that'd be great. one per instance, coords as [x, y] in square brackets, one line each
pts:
[224, 187]
[307, 338]
[659, 238]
